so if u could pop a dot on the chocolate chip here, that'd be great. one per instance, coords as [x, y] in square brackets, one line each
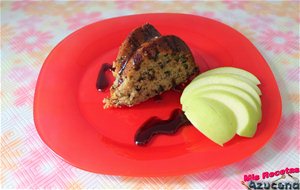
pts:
[138, 88]
[185, 65]
[167, 73]
[151, 74]
[140, 78]
[161, 64]
[161, 88]
[183, 59]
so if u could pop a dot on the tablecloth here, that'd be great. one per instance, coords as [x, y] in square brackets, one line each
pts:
[30, 29]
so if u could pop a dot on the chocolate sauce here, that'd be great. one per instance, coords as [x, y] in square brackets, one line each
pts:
[179, 88]
[137, 60]
[134, 43]
[102, 82]
[123, 64]
[125, 61]
[157, 98]
[155, 126]
[135, 39]
[172, 43]
[150, 32]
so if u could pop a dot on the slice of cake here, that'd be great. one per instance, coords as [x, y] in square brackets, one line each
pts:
[147, 65]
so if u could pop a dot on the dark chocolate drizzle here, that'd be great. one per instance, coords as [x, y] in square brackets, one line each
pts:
[180, 87]
[137, 60]
[151, 51]
[102, 82]
[148, 32]
[124, 63]
[157, 98]
[155, 126]
[170, 42]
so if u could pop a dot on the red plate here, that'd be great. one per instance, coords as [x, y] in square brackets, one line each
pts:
[70, 119]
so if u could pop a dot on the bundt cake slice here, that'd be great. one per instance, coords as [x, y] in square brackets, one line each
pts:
[156, 66]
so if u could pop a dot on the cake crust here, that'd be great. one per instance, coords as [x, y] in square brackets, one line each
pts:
[134, 40]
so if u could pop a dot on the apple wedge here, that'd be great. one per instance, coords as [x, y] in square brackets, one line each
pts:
[223, 79]
[212, 118]
[232, 70]
[245, 115]
[232, 89]
[249, 82]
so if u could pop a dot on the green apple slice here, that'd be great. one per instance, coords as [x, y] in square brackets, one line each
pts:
[222, 79]
[232, 70]
[245, 115]
[213, 119]
[249, 82]
[235, 90]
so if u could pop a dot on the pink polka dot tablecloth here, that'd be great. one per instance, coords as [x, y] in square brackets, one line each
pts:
[31, 29]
